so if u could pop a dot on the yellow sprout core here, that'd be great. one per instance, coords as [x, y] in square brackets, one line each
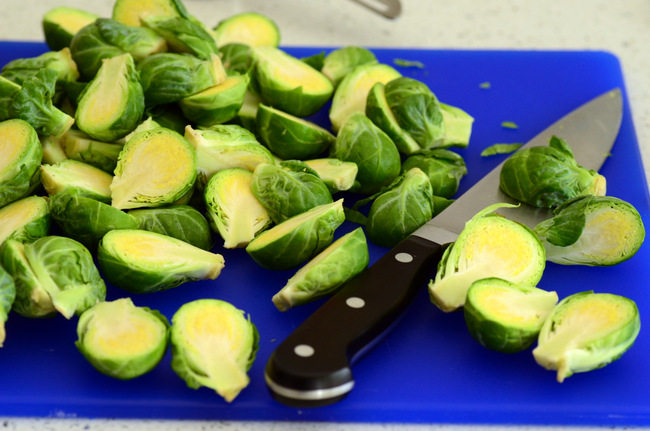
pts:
[15, 215]
[518, 308]
[12, 144]
[131, 12]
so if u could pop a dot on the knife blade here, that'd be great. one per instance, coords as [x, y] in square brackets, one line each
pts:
[312, 366]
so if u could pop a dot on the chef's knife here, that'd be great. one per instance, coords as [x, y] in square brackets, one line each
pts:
[312, 366]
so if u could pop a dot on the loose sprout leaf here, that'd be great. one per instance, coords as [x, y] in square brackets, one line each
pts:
[408, 63]
[509, 125]
[485, 85]
[495, 149]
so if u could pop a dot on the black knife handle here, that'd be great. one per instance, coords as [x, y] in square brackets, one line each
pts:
[311, 367]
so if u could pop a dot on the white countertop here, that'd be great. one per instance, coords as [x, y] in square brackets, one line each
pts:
[619, 27]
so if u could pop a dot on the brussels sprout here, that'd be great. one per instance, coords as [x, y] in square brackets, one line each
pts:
[592, 230]
[506, 316]
[490, 245]
[140, 261]
[88, 48]
[342, 61]
[140, 42]
[21, 157]
[234, 211]
[87, 220]
[169, 77]
[155, 168]
[183, 35]
[289, 84]
[298, 239]
[132, 12]
[361, 142]
[400, 210]
[7, 297]
[8, 89]
[213, 345]
[77, 177]
[33, 103]
[325, 273]
[236, 57]
[408, 112]
[249, 28]
[21, 69]
[25, 220]
[458, 126]
[216, 104]
[52, 274]
[77, 145]
[291, 137]
[352, 92]
[545, 177]
[444, 168]
[586, 331]
[112, 105]
[225, 146]
[61, 23]
[336, 174]
[145, 125]
[247, 115]
[122, 340]
[53, 151]
[178, 221]
[288, 189]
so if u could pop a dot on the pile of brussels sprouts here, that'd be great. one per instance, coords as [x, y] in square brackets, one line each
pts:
[142, 142]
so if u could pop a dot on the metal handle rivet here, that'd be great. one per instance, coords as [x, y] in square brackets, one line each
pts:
[404, 257]
[304, 350]
[355, 302]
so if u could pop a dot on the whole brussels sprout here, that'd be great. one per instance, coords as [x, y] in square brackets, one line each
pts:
[213, 345]
[25, 220]
[77, 177]
[21, 157]
[183, 35]
[377, 159]
[545, 177]
[61, 23]
[444, 168]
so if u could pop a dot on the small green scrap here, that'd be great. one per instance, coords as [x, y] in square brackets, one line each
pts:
[495, 149]
[509, 125]
[485, 85]
[408, 63]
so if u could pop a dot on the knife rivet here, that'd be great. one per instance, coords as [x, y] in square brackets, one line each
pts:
[304, 350]
[355, 302]
[404, 257]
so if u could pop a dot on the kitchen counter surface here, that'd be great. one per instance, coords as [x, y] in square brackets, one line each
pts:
[618, 27]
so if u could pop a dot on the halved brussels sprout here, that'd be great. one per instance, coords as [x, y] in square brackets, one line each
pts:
[178, 221]
[234, 211]
[225, 146]
[400, 210]
[458, 126]
[490, 245]
[336, 174]
[545, 177]
[145, 125]
[7, 297]
[213, 345]
[183, 35]
[52, 274]
[506, 316]
[247, 115]
[79, 146]
[592, 230]
[140, 261]
[87, 220]
[122, 340]
[21, 157]
[586, 331]
[444, 168]
[33, 103]
[291, 137]
[21, 69]
[376, 156]
[155, 168]
[342, 61]
[169, 77]
[326, 272]
[408, 111]
[132, 12]
[61, 23]
[289, 84]
[53, 151]
[298, 239]
[249, 28]
[77, 177]
[217, 104]
[352, 92]
[25, 220]
[288, 189]
[112, 105]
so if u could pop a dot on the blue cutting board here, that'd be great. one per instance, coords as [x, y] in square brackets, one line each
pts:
[428, 369]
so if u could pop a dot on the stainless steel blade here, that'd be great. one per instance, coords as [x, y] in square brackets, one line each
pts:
[387, 8]
[589, 130]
